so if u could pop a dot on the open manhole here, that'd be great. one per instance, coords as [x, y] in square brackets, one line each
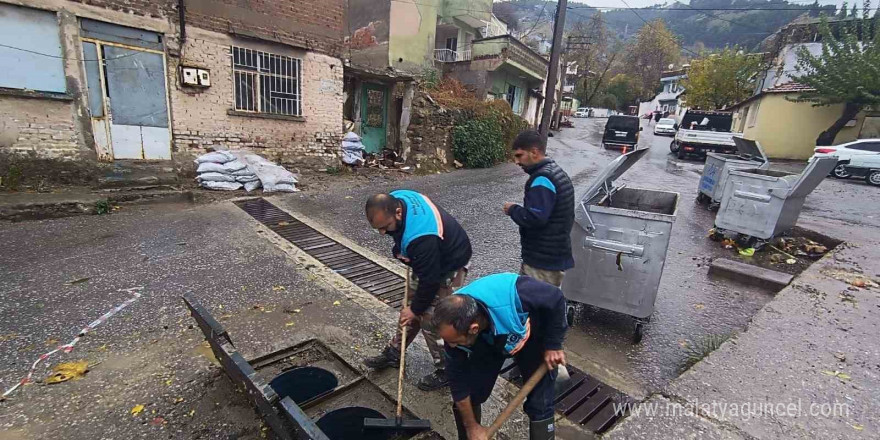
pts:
[304, 383]
[584, 401]
[304, 389]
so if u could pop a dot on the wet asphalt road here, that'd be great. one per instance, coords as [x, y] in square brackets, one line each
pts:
[690, 306]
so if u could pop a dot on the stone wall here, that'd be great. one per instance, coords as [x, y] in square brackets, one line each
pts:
[202, 119]
[430, 133]
[44, 127]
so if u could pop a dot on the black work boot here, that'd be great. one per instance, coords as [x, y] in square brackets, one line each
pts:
[434, 381]
[459, 424]
[542, 430]
[389, 358]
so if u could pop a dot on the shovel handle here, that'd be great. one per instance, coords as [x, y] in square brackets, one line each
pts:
[402, 353]
[518, 400]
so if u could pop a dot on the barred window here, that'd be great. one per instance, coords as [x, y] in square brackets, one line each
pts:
[266, 83]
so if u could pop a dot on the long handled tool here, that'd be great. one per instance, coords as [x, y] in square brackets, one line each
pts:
[518, 400]
[398, 424]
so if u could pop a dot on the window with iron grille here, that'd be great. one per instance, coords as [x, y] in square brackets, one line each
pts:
[266, 83]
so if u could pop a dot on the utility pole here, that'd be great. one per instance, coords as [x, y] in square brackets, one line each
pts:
[553, 71]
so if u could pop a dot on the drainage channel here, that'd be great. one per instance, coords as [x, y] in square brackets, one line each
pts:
[375, 279]
[584, 400]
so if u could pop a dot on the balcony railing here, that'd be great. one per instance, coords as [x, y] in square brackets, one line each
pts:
[451, 56]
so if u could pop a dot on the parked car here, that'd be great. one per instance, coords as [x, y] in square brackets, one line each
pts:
[865, 166]
[846, 152]
[622, 132]
[665, 126]
[582, 112]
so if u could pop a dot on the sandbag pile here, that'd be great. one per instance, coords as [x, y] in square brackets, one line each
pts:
[226, 171]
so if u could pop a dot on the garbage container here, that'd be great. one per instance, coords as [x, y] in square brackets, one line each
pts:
[762, 204]
[619, 244]
[718, 165]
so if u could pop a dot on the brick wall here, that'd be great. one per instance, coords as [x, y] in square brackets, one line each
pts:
[42, 126]
[313, 24]
[201, 123]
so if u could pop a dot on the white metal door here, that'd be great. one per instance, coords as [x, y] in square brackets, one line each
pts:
[128, 101]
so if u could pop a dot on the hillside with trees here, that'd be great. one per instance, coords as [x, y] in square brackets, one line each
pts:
[709, 24]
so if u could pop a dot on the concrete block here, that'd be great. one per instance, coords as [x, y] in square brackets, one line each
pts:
[748, 274]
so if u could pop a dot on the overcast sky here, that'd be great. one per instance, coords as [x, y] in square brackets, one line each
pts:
[645, 3]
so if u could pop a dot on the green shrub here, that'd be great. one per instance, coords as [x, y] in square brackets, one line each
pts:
[478, 142]
[102, 207]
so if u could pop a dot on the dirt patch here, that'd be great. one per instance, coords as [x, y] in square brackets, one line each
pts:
[30, 172]
[791, 254]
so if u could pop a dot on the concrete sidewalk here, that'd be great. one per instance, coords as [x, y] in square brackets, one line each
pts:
[807, 366]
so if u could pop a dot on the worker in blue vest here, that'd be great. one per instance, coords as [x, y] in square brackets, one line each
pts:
[494, 318]
[437, 249]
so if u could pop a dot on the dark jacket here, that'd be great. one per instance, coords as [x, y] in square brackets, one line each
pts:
[432, 258]
[546, 218]
[545, 306]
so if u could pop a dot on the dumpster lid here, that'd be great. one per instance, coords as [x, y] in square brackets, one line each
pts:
[812, 176]
[749, 149]
[612, 171]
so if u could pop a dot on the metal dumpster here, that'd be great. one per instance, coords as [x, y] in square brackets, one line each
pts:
[761, 204]
[619, 242]
[718, 166]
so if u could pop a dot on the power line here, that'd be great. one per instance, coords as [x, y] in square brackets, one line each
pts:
[67, 58]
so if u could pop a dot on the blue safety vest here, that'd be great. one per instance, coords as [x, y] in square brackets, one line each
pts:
[422, 217]
[498, 293]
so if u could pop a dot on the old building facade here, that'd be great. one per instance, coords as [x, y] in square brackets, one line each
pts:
[167, 80]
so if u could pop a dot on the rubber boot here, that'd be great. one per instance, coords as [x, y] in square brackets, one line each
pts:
[542, 430]
[459, 424]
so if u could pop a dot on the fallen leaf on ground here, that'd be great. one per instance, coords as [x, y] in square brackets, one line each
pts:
[296, 310]
[858, 427]
[8, 337]
[839, 374]
[178, 400]
[790, 261]
[226, 316]
[191, 413]
[283, 223]
[68, 370]
[336, 303]
[277, 288]
[137, 410]
[699, 306]
[78, 280]
[103, 347]
[168, 382]
[289, 324]
[51, 342]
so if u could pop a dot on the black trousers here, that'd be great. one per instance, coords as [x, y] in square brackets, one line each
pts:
[485, 365]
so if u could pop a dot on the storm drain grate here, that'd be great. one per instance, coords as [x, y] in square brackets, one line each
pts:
[584, 401]
[375, 279]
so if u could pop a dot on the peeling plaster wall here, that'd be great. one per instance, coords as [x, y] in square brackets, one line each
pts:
[413, 25]
[367, 33]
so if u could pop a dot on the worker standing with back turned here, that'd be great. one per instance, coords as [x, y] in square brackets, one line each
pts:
[547, 214]
[437, 249]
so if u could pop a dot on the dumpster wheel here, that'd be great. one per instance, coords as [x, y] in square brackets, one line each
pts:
[639, 331]
[570, 313]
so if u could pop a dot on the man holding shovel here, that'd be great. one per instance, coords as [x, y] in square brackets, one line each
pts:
[437, 249]
[547, 214]
[494, 318]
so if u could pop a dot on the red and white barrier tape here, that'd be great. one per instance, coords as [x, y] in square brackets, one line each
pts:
[67, 348]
